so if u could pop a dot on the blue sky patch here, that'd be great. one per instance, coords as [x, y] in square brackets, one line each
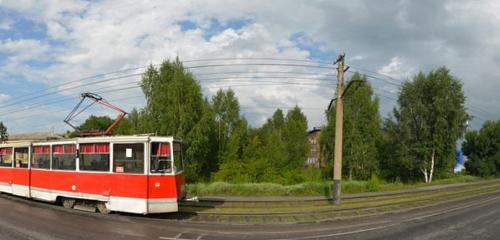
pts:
[215, 26]
[22, 28]
[187, 25]
[317, 50]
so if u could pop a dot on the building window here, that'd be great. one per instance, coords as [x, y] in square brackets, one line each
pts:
[64, 157]
[21, 157]
[41, 157]
[6, 157]
[161, 162]
[128, 158]
[94, 157]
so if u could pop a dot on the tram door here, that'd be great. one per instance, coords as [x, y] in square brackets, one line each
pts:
[21, 172]
[179, 170]
[161, 173]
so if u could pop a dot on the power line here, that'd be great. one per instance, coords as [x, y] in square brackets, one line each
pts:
[65, 100]
[58, 111]
[378, 73]
[70, 88]
[263, 77]
[78, 80]
[250, 84]
[258, 59]
[12, 103]
[266, 72]
[258, 64]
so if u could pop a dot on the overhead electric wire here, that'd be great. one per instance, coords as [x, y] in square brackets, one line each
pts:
[141, 67]
[281, 107]
[70, 88]
[22, 100]
[77, 80]
[378, 73]
[257, 64]
[265, 72]
[67, 109]
[131, 75]
[193, 65]
[136, 85]
[257, 59]
[262, 77]
[64, 100]
[53, 112]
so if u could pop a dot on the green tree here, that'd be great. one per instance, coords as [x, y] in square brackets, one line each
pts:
[482, 149]
[276, 122]
[4, 136]
[175, 107]
[233, 163]
[362, 131]
[96, 123]
[174, 102]
[296, 138]
[201, 154]
[276, 152]
[134, 118]
[227, 115]
[430, 118]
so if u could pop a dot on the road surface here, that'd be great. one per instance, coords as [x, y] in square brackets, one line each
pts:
[471, 219]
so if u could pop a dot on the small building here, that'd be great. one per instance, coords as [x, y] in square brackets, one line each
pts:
[314, 159]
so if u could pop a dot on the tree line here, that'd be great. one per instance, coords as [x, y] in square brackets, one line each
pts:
[415, 142]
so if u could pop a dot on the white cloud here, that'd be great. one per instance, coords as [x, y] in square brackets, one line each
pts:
[6, 24]
[23, 49]
[4, 97]
[392, 38]
[397, 69]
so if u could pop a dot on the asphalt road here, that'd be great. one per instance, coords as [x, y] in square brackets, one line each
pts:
[472, 219]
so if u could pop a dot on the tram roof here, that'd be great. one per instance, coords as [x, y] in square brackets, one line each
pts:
[112, 139]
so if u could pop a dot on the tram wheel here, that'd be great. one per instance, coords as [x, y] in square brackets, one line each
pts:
[101, 206]
[68, 202]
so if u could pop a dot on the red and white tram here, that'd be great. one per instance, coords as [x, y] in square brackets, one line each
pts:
[135, 174]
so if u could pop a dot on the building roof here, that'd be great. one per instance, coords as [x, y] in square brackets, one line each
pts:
[315, 129]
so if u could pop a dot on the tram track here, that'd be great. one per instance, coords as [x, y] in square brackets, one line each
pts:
[318, 211]
[287, 212]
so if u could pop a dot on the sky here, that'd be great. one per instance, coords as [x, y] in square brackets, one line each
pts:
[51, 51]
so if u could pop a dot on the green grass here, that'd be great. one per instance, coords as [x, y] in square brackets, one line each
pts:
[309, 188]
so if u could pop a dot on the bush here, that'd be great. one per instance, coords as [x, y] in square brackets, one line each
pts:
[353, 186]
[311, 188]
[373, 185]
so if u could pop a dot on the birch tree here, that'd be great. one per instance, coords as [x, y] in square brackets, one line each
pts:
[431, 117]
[362, 131]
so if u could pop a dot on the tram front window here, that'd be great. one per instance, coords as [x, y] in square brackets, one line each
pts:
[161, 160]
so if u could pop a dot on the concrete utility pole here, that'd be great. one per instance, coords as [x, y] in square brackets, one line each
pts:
[339, 122]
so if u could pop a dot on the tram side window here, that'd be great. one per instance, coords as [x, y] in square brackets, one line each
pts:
[161, 161]
[21, 157]
[128, 158]
[178, 161]
[41, 157]
[64, 157]
[94, 157]
[6, 157]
